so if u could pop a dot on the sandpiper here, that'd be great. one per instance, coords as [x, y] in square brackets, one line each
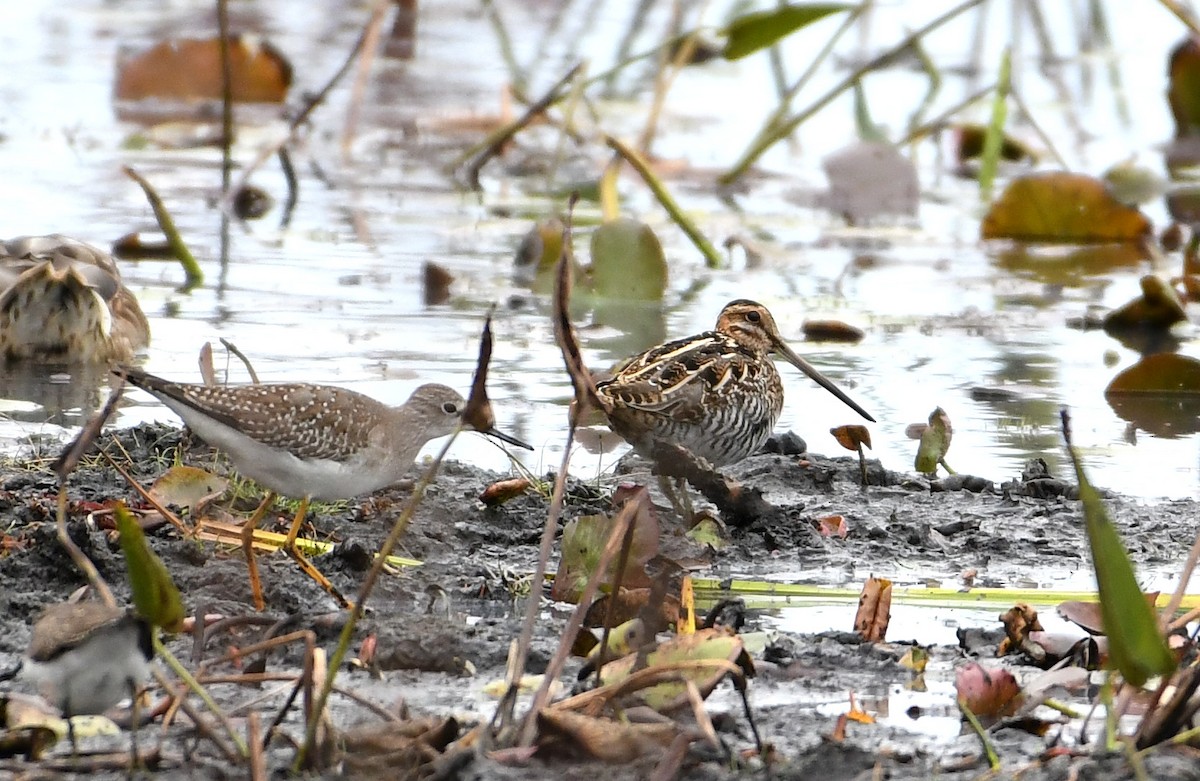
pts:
[311, 441]
[85, 657]
[63, 301]
[717, 393]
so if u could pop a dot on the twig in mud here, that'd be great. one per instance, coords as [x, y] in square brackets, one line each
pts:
[190, 682]
[203, 728]
[231, 347]
[63, 466]
[498, 138]
[258, 762]
[370, 46]
[193, 276]
[611, 607]
[712, 258]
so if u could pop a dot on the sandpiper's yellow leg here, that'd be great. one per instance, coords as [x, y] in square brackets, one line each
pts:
[248, 529]
[290, 546]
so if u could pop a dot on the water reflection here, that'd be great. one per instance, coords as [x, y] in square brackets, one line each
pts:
[55, 394]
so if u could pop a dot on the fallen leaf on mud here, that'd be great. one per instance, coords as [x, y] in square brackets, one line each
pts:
[564, 733]
[708, 532]
[582, 542]
[527, 684]
[874, 610]
[414, 744]
[915, 659]
[831, 331]
[987, 693]
[187, 486]
[502, 491]
[1062, 207]
[683, 651]
[832, 526]
[190, 69]
[870, 179]
[935, 442]
[1019, 621]
[1157, 308]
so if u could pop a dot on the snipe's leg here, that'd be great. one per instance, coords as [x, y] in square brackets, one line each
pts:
[677, 494]
[248, 529]
[304, 563]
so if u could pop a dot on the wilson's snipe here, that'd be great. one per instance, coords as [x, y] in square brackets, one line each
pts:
[716, 393]
[311, 441]
[63, 300]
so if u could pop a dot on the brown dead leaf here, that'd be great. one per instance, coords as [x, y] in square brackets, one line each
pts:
[436, 283]
[874, 610]
[502, 491]
[1086, 615]
[852, 437]
[562, 732]
[190, 69]
[831, 331]
[1019, 620]
[1157, 308]
[1062, 207]
[832, 526]
[187, 486]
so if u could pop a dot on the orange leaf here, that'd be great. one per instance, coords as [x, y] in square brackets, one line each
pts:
[190, 69]
[1062, 207]
[832, 526]
[852, 437]
[874, 609]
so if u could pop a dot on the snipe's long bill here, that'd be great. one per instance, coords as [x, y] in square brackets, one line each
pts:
[311, 441]
[717, 394]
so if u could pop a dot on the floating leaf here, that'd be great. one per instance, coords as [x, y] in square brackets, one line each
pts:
[155, 596]
[190, 69]
[831, 331]
[870, 179]
[1159, 374]
[874, 610]
[187, 486]
[1062, 207]
[752, 32]
[1136, 646]
[628, 262]
[1157, 308]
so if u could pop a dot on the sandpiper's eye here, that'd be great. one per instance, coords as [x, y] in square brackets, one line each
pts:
[450, 408]
[753, 316]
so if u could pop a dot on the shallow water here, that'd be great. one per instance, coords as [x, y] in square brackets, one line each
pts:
[337, 297]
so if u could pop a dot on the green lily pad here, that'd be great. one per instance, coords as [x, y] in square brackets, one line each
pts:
[628, 262]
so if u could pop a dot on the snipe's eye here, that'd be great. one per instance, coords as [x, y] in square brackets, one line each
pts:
[753, 316]
[450, 408]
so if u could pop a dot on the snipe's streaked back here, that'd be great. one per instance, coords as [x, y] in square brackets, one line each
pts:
[63, 301]
[717, 393]
[311, 441]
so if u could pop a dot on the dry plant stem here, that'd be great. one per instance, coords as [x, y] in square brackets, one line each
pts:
[307, 635]
[1182, 13]
[81, 561]
[492, 145]
[712, 258]
[188, 680]
[1185, 578]
[193, 275]
[226, 96]
[265, 154]
[293, 187]
[231, 347]
[993, 760]
[370, 46]
[1037, 129]
[356, 612]
[258, 762]
[171, 517]
[665, 77]
[533, 607]
[940, 121]
[781, 128]
[645, 678]
[554, 668]
[622, 562]
[254, 679]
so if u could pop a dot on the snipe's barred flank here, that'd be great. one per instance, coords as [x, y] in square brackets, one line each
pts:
[717, 393]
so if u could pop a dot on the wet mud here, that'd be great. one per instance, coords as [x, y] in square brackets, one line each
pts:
[442, 630]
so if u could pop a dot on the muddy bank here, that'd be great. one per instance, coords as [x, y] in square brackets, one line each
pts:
[443, 629]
